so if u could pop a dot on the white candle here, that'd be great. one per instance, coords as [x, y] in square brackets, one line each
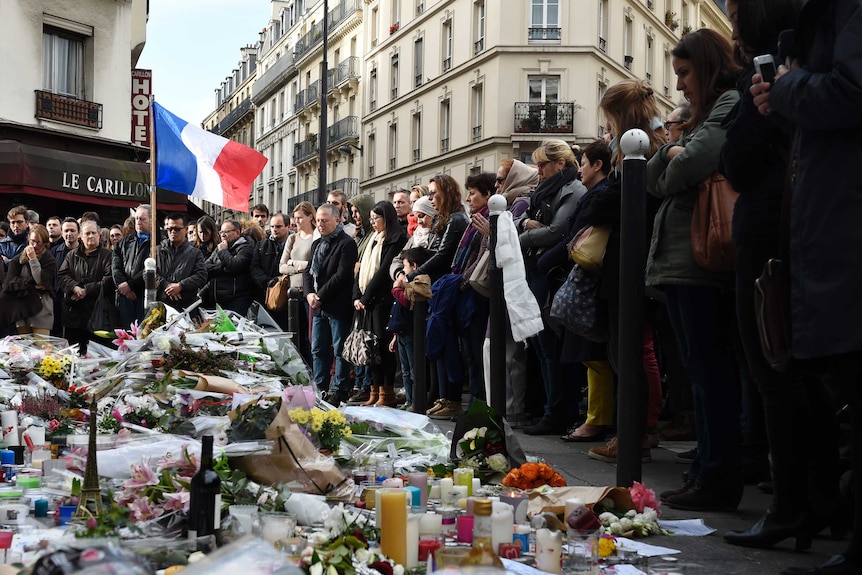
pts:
[571, 505]
[549, 551]
[9, 422]
[36, 435]
[393, 482]
[445, 486]
[455, 494]
[434, 490]
[502, 524]
[430, 523]
[413, 540]
[477, 483]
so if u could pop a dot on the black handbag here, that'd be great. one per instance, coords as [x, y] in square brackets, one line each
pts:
[105, 316]
[361, 346]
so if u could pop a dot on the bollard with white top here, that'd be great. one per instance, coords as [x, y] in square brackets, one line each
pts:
[497, 313]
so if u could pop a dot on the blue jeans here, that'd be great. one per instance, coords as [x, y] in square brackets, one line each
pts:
[363, 377]
[702, 318]
[405, 357]
[130, 310]
[327, 335]
[472, 340]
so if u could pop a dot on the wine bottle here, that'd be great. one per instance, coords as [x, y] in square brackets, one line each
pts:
[483, 552]
[205, 495]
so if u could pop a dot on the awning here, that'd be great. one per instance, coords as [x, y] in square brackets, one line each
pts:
[70, 176]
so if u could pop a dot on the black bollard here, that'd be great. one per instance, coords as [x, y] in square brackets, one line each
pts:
[497, 315]
[420, 361]
[631, 410]
[295, 316]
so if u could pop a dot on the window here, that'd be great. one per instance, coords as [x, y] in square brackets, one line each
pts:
[372, 88]
[600, 120]
[604, 17]
[420, 7]
[445, 119]
[396, 13]
[447, 45]
[544, 88]
[394, 83]
[545, 14]
[649, 58]
[63, 62]
[476, 107]
[372, 153]
[393, 146]
[416, 137]
[479, 26]
[627, 42]
[418, 57]
[668, 72]
[374, 26]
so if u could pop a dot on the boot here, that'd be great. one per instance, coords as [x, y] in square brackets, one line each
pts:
[387, 397]
[372, 399]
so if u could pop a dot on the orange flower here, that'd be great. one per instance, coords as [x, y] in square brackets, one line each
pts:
[545, 471]
[530, 471]
[557, 480]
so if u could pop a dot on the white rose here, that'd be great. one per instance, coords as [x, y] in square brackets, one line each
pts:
[316, 569]
[362, 555]
[482, 431]
[398, 570]
[331, 570]
[498, 462]
[616, 528]
[607, 518]
[631, 513]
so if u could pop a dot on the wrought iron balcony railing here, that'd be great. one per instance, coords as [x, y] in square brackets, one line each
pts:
[68, 109]
[544, 118]
[344, 129]
[543, 33]
[233, 117]
[306, 149]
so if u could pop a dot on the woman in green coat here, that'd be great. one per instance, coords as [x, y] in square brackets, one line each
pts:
[699, 301]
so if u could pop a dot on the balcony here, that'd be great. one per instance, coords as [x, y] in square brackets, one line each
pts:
[627, 62]
[478, 45]
[666, 92]
[274, 78]
[603, 44]
[395, 93]
[307, 97]
[314, 36]
[444, 145]
[418, 80]
[420, 7]
[447, 64]
[537, 34]
[477, 133]
[350, 186]
[312, 196]
[347, 70]
[233, 117]
[370, 171]
[417, 155]
[306, 150]
[544, 118]
[68, 110]
[344, 129]
[392, 164]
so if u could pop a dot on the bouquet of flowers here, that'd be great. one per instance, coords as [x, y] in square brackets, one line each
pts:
[483, 449]
[638, 522]
[330, 426]
[250, 421]
[532, 475]
[56, 369]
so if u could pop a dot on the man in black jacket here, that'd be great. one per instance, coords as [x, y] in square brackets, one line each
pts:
[69, 235]
[328, 283]
[228, 269]
[180, 270]
[127, 268]
[265, 260]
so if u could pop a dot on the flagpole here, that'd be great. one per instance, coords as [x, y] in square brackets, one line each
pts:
[153, 236]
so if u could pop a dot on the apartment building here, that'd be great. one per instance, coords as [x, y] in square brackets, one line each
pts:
[73, 116]
[233, 117]
[287, 99]
[456, 86]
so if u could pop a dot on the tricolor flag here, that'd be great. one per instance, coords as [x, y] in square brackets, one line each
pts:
[192, 161]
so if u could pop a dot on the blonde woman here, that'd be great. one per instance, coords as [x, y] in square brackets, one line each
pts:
[294, 260]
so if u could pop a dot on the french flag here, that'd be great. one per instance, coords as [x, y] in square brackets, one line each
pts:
[192, 161]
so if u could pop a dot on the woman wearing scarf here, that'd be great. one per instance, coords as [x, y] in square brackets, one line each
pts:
[372, 293]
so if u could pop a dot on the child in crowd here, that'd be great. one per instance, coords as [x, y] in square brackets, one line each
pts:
[401, 322]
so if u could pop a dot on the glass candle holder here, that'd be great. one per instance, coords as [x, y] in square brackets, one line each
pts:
[276, 527]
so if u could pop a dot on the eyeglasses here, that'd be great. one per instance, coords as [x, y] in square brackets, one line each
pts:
[373, 218]
[670, 123]
[17, 222]
[174, 229]
[225, 232]
[541, 165]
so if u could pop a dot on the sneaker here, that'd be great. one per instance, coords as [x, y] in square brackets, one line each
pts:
[686, 456]
[361, 396]
[608, 452]
[449, 409]
[706, 498]
[406, 406]
[438, 405]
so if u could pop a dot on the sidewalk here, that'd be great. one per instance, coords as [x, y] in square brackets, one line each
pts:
[711, 553]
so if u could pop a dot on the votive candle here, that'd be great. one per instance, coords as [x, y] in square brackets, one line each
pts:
[420, 480]
[464, 476]
[412, 540]
[430, 523]
[502, 524]
[393, 525]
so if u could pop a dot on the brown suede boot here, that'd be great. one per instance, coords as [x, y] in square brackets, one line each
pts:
[372, 399]
[387, 397]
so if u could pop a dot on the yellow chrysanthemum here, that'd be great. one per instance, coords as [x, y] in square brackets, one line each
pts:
[607, 546]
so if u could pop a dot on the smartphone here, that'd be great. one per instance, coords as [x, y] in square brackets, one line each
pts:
[765, 66]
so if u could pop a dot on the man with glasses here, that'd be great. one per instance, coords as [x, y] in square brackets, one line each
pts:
[127, 268]
[265, 260]
[15, 241]
[673, 126]
[328, 283]
[228, 268]
[180, 270]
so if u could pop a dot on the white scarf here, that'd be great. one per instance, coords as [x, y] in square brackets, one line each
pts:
[370, 260]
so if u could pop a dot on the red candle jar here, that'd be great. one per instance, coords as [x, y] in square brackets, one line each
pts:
[509, 550]
[428, 546]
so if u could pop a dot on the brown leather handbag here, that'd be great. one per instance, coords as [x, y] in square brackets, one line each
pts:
[711, 225]
[276, 294]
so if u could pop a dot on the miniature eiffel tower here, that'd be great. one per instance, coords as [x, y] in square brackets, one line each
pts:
[90, 501]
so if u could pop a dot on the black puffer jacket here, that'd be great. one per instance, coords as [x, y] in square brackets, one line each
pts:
[185, 267]
[91, 272]
[228, 270]
[264, 265]
[444, 246]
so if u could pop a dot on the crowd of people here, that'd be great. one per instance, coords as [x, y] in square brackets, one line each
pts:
[361, 262]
